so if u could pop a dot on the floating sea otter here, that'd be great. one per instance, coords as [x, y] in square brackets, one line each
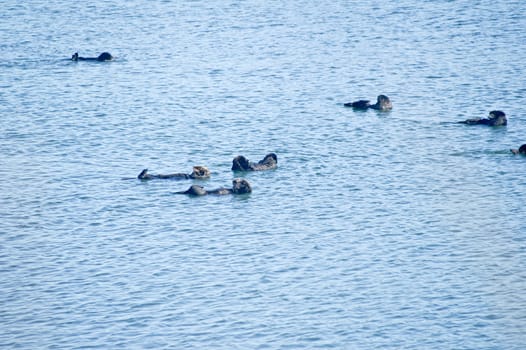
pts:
[521, 150]
[105, 56]
[496, 118]
[198, 172]
[239, 186]
[240, 163]
[382, 104]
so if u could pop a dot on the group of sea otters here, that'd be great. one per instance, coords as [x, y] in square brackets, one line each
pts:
[240, 163]
[239, 186]
[496, 118]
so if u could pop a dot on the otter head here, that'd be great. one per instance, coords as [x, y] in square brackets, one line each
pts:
[200, 172]
[497, 118]
[105, 56]
[383, 102]
[496, 114]
[240, 163]
[196, 190]
[241, 186]
[270, 158]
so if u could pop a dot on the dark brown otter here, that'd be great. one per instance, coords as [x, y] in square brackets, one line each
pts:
[382, 104]
[105, 56]
[496, 118]
[198, 172]
[241, 163]
[239, 186]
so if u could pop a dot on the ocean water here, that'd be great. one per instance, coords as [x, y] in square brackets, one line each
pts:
[397, 230]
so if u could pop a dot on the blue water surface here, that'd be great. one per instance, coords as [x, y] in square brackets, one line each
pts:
[395, 230]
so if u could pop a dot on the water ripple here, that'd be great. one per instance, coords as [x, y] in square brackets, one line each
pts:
[377, 230]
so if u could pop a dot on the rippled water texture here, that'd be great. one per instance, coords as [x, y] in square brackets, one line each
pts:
[397, 230]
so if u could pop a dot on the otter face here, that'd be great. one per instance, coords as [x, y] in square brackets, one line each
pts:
[384, 102]
[200, 172]
[271, 158]
[196, 190]
[497, 118]
[241, 186]
[240, 163]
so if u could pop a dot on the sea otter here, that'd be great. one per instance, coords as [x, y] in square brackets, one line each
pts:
[240, 163]
[496, 118]
[198, 172]
[105, 56]
[521, 150]
[239, 186]
[382, 104]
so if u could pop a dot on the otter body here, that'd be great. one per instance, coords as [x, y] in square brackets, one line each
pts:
[105, 56]
[239, 186]
[382, 104]
[198, 172]
[241, 163]
[496, 118]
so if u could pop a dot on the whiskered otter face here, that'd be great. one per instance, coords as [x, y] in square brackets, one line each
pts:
[384, 100]
[271, 158]
[241, 186]
[240, 163]
[200, 172]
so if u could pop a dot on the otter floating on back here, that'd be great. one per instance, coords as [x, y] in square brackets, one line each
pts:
[239, 186]
[241, 163]
[105, 56]
[382, 104]
[496, 118]
[198, 172]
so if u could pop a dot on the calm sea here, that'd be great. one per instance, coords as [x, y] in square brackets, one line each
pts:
[397, 230]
